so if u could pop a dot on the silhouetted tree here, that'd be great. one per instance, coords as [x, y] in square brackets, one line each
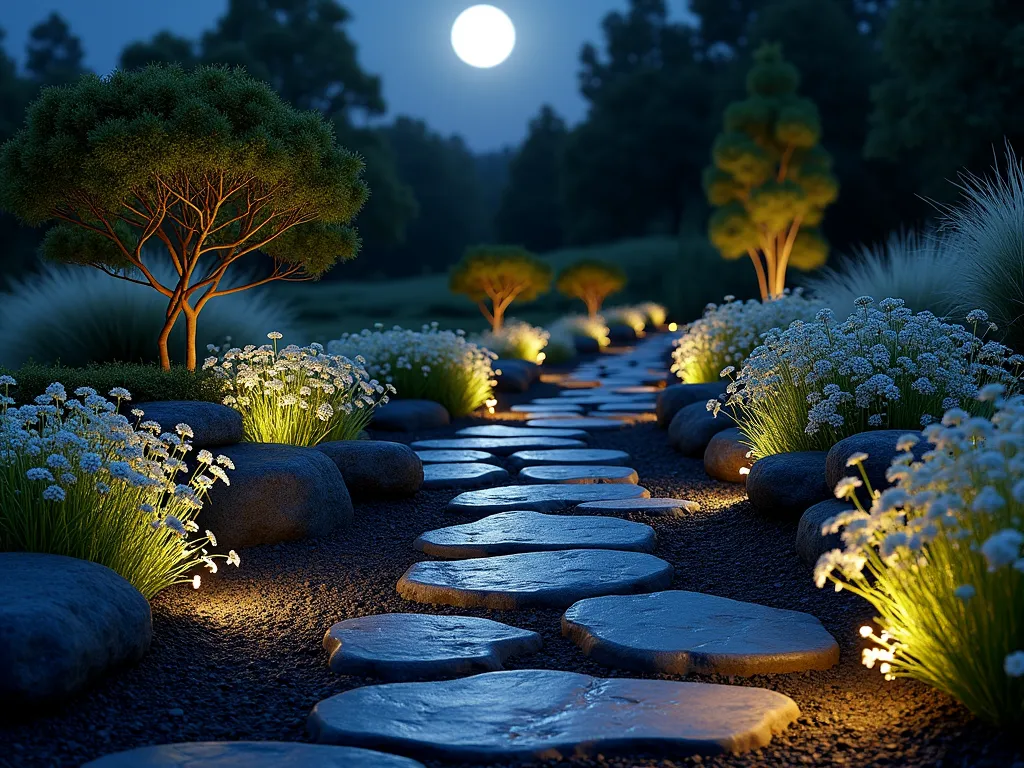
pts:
[499, 274]
[54, 54]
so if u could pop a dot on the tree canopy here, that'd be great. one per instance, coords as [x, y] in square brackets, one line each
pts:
[500, 274]
[592, 282]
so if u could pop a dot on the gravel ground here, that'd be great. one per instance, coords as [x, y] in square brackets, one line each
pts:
[242, 657]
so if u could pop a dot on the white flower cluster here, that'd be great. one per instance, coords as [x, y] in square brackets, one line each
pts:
[729, 332]
[581, 325]
[298, 395]
[516, 340]
[656, 313]
[428, 364]
[77, 478]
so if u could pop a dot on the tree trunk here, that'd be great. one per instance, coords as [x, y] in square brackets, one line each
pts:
[593, 306]
[165, 334]
[497, 317]
[191, 324]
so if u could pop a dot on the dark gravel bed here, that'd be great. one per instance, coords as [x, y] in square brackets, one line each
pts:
[242, 658]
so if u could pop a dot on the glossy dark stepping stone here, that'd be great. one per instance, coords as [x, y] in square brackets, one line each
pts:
[643, 407]
[680, 633]
[503, 431]
[568, 456]
[541, 498]
[566, 407]
[535, 714]
[582, 474]
[641, 506]
[582, 422]
[509, 533]
[454, 457]
[413, 646]
[501, 446]
[462, 475]
[534, 579]
[250, 754]
[636, 389]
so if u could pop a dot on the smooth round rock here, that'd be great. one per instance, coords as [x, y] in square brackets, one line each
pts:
[693, 427]
[462, 475]
[880, 446]
[277, 493]
[675, 397]
[64, 625]
[534, 579]
[212, 424]
[620, 333]
[810, 543]
[251, 754]
[727, 457]
[513, 375]
[376, 469]
[582, 422]
[500, 446]
[540, 498]
[453, 457]
[509, 533]
[786, 484]
[535, 714]
[568, 456]
[579, 474]
[501, 430]
[409, 416]
[415, 646]
[640, 506]
[683, 633]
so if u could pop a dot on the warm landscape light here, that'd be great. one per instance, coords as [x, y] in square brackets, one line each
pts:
[673, 327]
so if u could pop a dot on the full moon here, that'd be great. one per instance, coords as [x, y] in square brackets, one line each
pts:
[483, 36]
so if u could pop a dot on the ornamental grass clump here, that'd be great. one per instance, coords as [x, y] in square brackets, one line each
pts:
[632, 317]
[429, 364]
[77, 479]
[298, 395]
[728, 332]
[939, 556]
[656, 313]
[516, 340]
[809, 386]
[583, 326]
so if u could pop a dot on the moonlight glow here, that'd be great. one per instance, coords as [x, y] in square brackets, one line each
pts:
[483, 36]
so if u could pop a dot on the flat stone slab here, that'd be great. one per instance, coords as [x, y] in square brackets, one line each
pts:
[413, 646]
[501, 446]
[682, 633]
[509, 533]
[640, 506]
[568, 456]
[541, 498]
[452, 457]
[566, 407]
[462, 475]
[535, 714]
[534, 579]
[500, 430]
[639, 389]
[582, 422]
[638, 407]
[579, 473]
[251, 754]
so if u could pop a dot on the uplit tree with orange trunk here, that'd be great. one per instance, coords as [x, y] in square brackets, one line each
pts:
[499, 274]
[200, 169]
[591, 282]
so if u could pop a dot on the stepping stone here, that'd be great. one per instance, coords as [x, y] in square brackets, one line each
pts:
[409, 416]
[640, 506]
[682, 633]
[637, 389]
[452, 457]
[508, 533]
[541, 498]
[577, 423]
[502, 446]
[582, 474]
[411, 646]
[251, 754]
[568, 456]
[462, 475]
[500, 430]
[534, 579]
[639, 407]
[562, 408]
[540, 714]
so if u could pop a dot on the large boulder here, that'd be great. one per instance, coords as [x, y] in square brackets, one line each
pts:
[810, 544]
[213, 425]
[786, 484]
[693, 427]
[376, 469]
[64, 624]
[409, 416]
[277, 493]
[675, 397]
[727, 457]
[513, 375]
[586, 345]
[880, 446]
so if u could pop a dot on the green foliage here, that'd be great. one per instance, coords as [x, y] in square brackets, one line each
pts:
[500, 274]
[592, 282]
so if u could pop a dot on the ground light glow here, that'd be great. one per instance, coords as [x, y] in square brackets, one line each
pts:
[483, 36]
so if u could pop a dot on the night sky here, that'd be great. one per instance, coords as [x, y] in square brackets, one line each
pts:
[406, 42]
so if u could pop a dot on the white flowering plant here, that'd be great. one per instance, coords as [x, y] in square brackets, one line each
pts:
[656, 313]
[940, 556]
[78, 479]
[582, 325]
[728, 332]
[429, 364]
[516, 340]
[634, 317]
[297, 395]
[815, 383]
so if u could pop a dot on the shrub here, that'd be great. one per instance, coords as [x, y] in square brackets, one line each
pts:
[298, 395]
[630, 316]
[591, 281]
[516, 340]
[77, 479]
[918, 268]
[500, 274]
[807, 387]
[561, 347]
[78, 316]
[582, 325]
[939, 558]
[656, 313]
[429, 364]
[728, 332]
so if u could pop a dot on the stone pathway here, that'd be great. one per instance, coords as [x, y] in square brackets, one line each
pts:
[500, 430]
[639, 506]
[581, 474]
[453, 457]
[502, 446]
[568, 456]
[540, 498]
[462, 475]
[576, 422]
[251, 754]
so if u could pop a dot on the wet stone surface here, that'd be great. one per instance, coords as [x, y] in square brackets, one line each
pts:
[540, 498]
